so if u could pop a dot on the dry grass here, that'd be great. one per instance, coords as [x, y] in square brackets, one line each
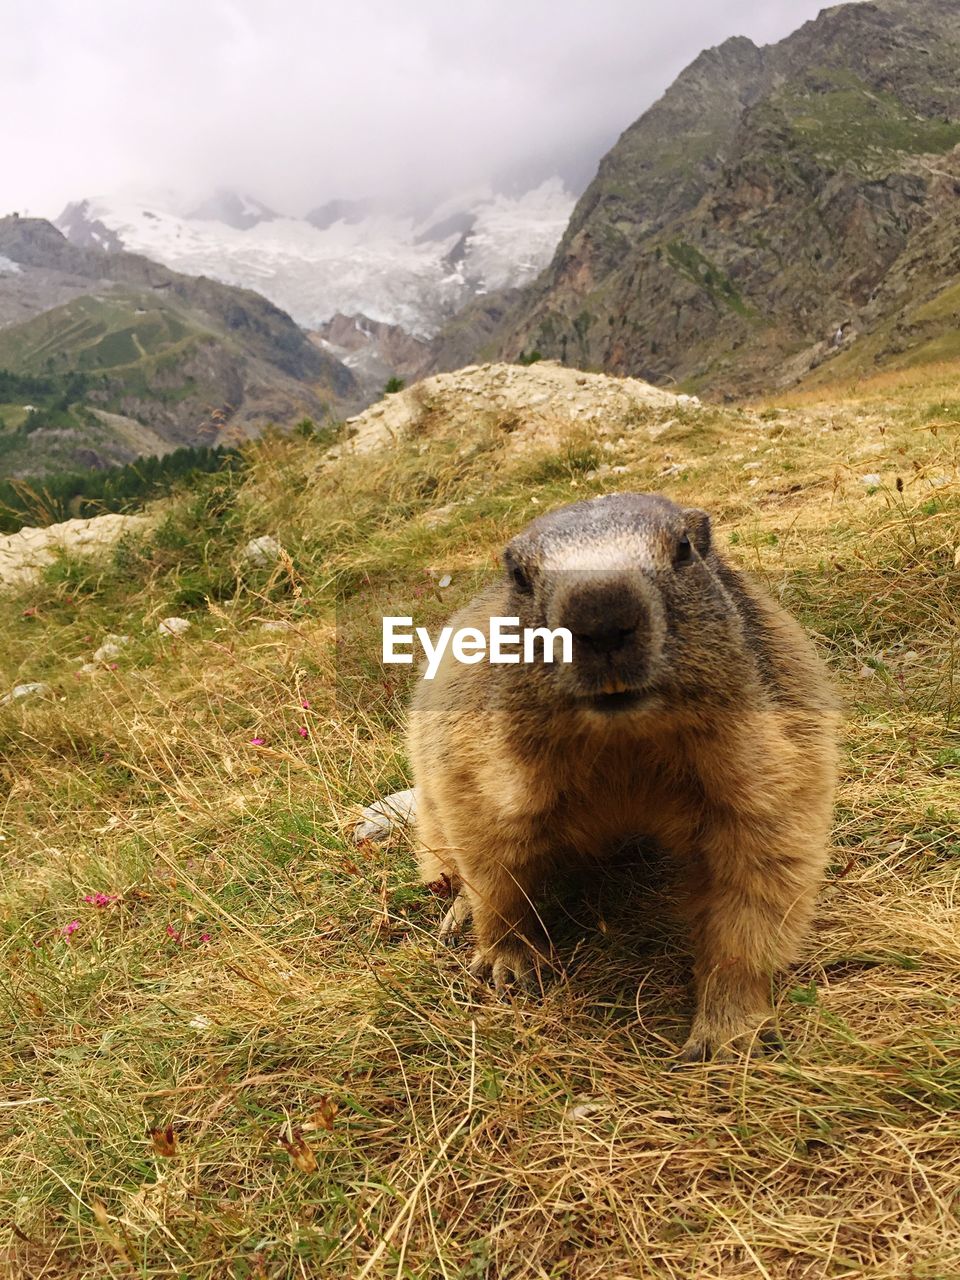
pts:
[253, 1061]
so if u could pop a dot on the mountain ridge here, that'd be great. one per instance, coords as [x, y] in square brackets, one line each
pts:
[767, 200]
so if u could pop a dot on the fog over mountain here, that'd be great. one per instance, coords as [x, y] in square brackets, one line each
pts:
[299, 103]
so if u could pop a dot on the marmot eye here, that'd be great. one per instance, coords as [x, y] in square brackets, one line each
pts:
[521, 581]
[684, 552]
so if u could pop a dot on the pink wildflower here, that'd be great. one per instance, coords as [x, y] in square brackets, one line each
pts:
[305, 704]
[173, 933]
[100, 899]
[303, 732]
[257, 742]
[70, 929]
[205, 937]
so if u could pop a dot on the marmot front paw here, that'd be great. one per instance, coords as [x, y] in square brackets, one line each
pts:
[511, 964]
[715, 1045]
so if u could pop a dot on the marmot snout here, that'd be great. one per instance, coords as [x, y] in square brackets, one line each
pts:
[694, 712]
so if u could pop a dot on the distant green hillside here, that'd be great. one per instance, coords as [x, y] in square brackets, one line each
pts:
[123, 354]
[93, 334]
[99, 353]
[142, 360]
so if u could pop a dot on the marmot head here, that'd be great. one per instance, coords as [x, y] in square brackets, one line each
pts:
[633, 577]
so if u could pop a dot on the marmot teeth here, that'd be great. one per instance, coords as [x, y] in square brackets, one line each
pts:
[615, 686]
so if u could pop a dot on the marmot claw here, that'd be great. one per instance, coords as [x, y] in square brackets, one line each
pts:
[510, 966]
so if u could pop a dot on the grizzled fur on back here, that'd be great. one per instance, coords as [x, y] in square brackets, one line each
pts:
[694, 712]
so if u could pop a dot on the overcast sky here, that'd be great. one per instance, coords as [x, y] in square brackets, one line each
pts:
[299, 101]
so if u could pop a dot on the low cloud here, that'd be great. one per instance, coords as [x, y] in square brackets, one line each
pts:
[301, 101]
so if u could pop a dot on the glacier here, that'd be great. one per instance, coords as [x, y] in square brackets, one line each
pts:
[406, 268]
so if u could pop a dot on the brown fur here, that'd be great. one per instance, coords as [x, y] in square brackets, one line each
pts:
[729, 765]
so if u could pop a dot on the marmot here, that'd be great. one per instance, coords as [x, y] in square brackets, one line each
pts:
[694, 712]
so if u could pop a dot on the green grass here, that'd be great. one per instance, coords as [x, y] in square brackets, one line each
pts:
[253, 1060]
[843, 120]
[92, 334]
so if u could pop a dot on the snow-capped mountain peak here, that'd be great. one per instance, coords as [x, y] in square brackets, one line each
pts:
[399, 267]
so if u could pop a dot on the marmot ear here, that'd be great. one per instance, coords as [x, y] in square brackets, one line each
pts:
[698, 529]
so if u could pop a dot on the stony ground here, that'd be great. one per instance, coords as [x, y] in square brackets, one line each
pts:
[234, 1047]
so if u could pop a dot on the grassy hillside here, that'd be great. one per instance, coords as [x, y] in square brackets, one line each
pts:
[102, 367]
[93, 334]
[235, 1048]
[94, 352]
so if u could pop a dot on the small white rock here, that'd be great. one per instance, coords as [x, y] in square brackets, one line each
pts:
[110, 648]
[382, 816]
[25, 691]
[278, 625]
[262, 551]
[871, 479]
[173, 626]
[445, 580]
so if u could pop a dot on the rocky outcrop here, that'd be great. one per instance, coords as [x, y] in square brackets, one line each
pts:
[533, 406]
[25, 554]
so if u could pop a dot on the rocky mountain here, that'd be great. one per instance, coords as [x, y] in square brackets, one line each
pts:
[780, 210]
[105, 356]
[374, 352]
[412, 267]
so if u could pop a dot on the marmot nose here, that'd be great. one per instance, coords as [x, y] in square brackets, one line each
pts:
[608, 640]
[603, 619]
